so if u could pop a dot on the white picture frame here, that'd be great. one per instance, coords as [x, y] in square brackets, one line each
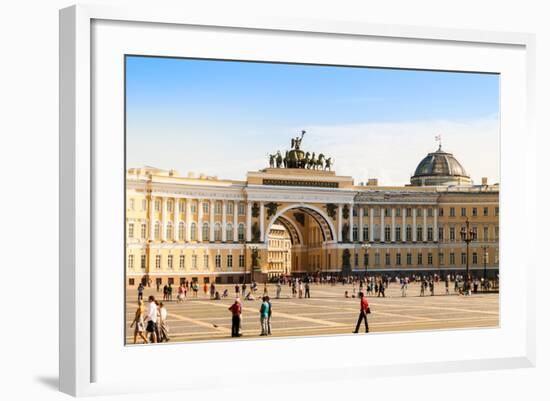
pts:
[86, 156]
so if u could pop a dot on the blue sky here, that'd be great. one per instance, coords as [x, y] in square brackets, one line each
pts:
[223, 117]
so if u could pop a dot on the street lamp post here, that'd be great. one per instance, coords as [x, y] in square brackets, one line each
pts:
[366, 252]
[468, 235]
[485, 257]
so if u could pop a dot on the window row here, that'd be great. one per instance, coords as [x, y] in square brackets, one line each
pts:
[475, 259]
[451, 234]
[241, 207]
[169, 236]
[451, 211]
[182, 262]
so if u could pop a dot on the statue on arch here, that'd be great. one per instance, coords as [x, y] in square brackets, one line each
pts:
[295, 143]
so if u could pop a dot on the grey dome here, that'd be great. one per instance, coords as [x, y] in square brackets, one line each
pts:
[440, 168]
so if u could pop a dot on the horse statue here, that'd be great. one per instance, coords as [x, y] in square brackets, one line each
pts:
[329, 163]
[304, 162]
[271, 160]
[312, 161]
[285, 160]
[279, 159]
[320, 162]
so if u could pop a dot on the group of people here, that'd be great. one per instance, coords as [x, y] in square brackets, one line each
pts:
[266, 309]
[151, 325]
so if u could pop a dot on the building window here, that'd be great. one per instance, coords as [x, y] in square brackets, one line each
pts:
[193, 232]
[430, 233]
[419, 234]
[408, 233]
[157, 230]
[474, 211]
[441, 258]
[376, 232]
[132, 203]
[218, 261]
[440, 233]
[229, 261]
[356, 259]
[169, 231]
[217, 232]
[355, 232]
[354, 211]
[418, 212]
[387, 212]
[388, 260]
[496, 211]
[398, 259]
[169, 206]
[452, 258]
[131, 230]
[387, 233]
[496, 233]
[131, 262]
[409, 212]
[463, 258]
[181, 230]
[376, 212]
[205, 261]
[398, 212]
[485, 211]
[205, 232]
[409, 258]
[182, 262]
[452, 212]
[430, 259]
[143, 262]
[171, 262]
[365, 233]
[144, 204]
[474, 258]
[419, 259]
[474, 230]
[157, 262]
[218, 208]
[240, 232]
[463, 212]
[365, 211]
[181, 205]
[241, 260]
[377, 259]
[157, 205]
[193, 207]
[485, 233]
[143, 231]
[194, 262]
[366, 259]
[398, 233]
[441, 213]
[230, 208]
[452, 234]
[430, 212]
[229, 232]
[205, 207]
[241, 209]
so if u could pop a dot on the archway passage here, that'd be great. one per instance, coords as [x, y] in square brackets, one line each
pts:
[307, 231]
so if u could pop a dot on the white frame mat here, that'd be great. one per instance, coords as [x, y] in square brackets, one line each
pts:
[93, 40]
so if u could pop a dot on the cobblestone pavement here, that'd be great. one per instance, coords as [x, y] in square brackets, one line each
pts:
[326, 312]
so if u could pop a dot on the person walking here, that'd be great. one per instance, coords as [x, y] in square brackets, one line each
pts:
[269, 315]
[205, 289]
[212, 290]
[235, 317]
[307, 294]
[447, 286]
[422, 287]
[152, 319]
[363, 311]
[163, 323]
[237, 290]
[279, 287]
[140, 292]
[381, 289]
[264, 314]
[138, 322]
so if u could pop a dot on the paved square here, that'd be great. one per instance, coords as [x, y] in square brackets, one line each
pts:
[326, 312]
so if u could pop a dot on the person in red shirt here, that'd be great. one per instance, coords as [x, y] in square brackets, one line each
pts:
[363, 313]
[236, 318]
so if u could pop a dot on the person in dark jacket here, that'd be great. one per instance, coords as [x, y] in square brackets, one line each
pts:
[235, 318]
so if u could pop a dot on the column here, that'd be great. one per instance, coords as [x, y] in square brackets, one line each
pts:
[151, 218]
[176, 219]
[436, 228]
[371, 222]
[414, 224]
[404, 226]
[248, 221]
[361, 238]
[425, 225]
[392, 224]
[188, 219]
[212, 222]
[164, 217]
[382, 227]
[224, 216]
[235, 221]
[351, 222]
[199, 223]
[339, 223]
[261, 222]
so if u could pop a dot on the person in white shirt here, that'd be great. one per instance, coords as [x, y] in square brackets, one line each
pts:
[163, 323]
[152, 319]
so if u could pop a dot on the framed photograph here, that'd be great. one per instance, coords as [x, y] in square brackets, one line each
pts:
[253, 189]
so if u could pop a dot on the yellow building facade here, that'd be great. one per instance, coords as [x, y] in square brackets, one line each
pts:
[205, 229]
